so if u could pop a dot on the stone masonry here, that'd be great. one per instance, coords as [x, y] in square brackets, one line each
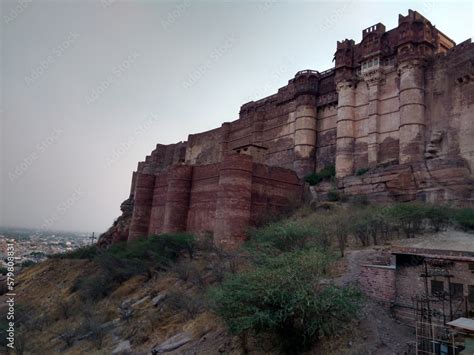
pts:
[399, 103]
[398, 280]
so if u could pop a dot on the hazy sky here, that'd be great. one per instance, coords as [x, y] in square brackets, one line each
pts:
[90, 87]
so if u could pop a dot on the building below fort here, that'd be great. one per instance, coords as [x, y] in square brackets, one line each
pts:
[428, 284]
[396, 106]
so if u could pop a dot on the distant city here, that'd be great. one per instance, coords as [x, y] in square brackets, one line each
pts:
[32, 246]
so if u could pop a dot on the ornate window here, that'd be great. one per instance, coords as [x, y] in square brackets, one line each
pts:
[370, 64]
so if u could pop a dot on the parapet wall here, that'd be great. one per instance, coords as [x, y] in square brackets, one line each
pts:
[223, 198]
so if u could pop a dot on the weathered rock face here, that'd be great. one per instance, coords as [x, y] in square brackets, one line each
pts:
[399, 102]
[434, 181]
[119, 231]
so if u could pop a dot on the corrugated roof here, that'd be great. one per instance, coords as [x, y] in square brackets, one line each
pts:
[463, 323]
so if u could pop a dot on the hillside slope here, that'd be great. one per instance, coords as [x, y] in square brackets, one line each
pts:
[155, 295]
[56, 313]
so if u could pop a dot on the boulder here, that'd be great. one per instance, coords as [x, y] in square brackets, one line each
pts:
[172, 343]
[122, 348]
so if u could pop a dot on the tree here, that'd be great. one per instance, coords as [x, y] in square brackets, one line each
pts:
[283, 297]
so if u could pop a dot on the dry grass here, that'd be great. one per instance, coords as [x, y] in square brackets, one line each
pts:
[48, 287]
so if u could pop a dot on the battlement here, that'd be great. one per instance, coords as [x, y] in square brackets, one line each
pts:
[307, 73]
[345, 44]
[378, 28]
[412, 17]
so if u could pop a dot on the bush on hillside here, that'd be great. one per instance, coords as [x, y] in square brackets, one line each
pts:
[92, 327]
[334, 195]
[413, 217]
[438, 216]
[189, 304]
[94, 287]
[283, 236]
[124, 260]
[464, 218]
[27, 263]
[327, 173]
[161, 248]
[408, 217]
[335, 224]
[360, 200]
[361, 171]
[88, 252]
[283, 298]
[370, 225]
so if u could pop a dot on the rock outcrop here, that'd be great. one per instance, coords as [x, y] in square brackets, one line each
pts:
[119, 230]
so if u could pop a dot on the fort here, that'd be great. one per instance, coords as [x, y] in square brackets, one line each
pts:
[396, 106]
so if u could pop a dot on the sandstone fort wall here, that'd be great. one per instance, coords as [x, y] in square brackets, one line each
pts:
[398, 103]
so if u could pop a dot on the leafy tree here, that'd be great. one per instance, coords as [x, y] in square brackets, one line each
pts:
[439, 216]
[284, 298]
[285, 236]
[407, 216]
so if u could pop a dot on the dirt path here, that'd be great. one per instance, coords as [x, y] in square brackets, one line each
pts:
[354, 258]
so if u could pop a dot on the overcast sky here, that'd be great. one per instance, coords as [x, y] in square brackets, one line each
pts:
[90, 87]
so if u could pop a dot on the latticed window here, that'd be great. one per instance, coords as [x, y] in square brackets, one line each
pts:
[370, 64]
[437, 287]
[456, 290]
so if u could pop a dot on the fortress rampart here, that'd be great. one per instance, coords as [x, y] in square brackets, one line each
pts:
[399, 103]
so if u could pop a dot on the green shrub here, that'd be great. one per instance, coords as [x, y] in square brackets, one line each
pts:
[370, 224]
[27, 263]
[3, 270]
[335, 225]
[119, 270]
[180, 302]
[360, 200]
[92, 327]
[162, 249]
[464, 217]
[438, 216]
[361, 171]
[88, 252]
[94, 287]
[408, 216]
[324, 174]
[413, 217]
[188, 272]
[334, 195]
[124, 260]
[284, 236]
[283, 298]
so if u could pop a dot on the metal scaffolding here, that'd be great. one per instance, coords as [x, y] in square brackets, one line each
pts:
[433, 312]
